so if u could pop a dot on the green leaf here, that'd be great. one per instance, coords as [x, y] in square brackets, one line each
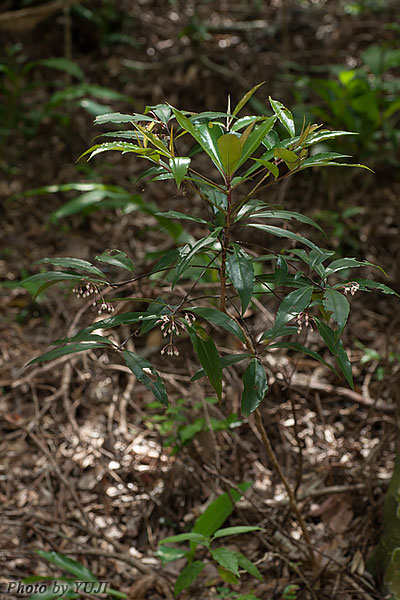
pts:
[65, 65]
[122, 118]
[218, 511]
[219, 318]
[241, 273]
[293, 304]
[281, 270]
[284, 115]
[336, 303]
[287, 215]
[336, 348]
[227, 559]
[208, 356]
[188, 575]
[235, 530]
[137, 364]
[188, 252]
[173, 214]
[226, 361]
[248, 566]
[290, 158]
[117, 258]
[300, 348]
[324, 134]
[204, 135]
[73, 263]
[321, 158]
[366, 284]
[255, 139]
[347, 263]
[255, 386]
[279, 232]
[197, 538]
[270, 166]
[179, 166]
[67, 564]
[168, 554]
[230, 151]
[246, 98]
[245, 122]
[227, 576]
[65, 350]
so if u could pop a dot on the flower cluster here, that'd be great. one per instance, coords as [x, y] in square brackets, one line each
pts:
[303, 318]
[84, 290]
[351, 287]
[171, 325]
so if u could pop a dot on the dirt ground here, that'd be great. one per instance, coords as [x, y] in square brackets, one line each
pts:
[86, 469]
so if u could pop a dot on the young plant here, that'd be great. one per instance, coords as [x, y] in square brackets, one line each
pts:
[204, 533]
[80, 585]
[229, 162]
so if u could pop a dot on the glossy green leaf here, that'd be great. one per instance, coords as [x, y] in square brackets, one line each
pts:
[173, 214]
[239, 529]
[290, 158]
[188, 252]
[245, 122]
[73, 263]
[281, 270]
[204, 135]
[293, 304]
[226, 361]
[368, 284]
[137, 365]
[230, 151]
[67, 564]
[279, 232]
[227, 559]
[337, 304]
[321, 158]
[255, 387]
[220, 319]
[275, 332]
[122, 118]
[284, 115]
[269, 165]
[336, 348]
[162, 111]
[179, 166]
[255, 139]
[347, 263]
[300, 348]
[208, 356]
[324, 134]
[65, 350]
[287, 215]
[56, 276]
[336, 164]
[188, 575]
[117, 258]
[243, 101]
[241, 273]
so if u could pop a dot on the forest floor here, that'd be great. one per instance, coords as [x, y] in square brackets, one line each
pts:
[91, 468]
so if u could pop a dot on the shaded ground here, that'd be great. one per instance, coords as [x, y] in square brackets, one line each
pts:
[86, 470]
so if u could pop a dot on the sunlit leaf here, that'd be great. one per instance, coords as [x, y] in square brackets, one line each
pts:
[284, 115]
[243, 101]
[117, 258]
[230, 151]
[179, 166]
[73, 263]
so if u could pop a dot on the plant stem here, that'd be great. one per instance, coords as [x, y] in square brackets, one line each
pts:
[289, 491]
[225, 244]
